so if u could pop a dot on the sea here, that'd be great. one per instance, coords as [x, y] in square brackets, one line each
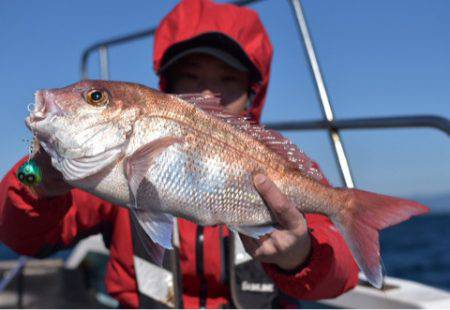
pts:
[418, 249]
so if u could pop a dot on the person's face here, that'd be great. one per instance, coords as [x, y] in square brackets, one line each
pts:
[201, 73]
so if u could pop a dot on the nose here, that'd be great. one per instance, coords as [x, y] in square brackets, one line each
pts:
[208, 93]
[209, 85]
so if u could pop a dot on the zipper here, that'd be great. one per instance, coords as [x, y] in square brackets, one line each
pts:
[200, 266]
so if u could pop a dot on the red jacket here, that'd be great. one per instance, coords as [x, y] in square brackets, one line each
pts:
[39, 227]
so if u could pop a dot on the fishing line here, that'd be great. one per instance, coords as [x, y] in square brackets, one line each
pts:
[31, 144]
[30, 107]
[30, 174]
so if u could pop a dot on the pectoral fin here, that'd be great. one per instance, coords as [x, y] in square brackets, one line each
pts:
[137, 164]
[157, 225]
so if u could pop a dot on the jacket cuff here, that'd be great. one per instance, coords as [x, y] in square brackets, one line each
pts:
[303, 280]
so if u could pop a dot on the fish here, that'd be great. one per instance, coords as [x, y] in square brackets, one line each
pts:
[164, 156]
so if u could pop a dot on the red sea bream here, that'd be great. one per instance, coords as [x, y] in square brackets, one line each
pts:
[164, 155]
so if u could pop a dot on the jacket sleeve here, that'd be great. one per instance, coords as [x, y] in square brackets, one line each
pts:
[330, 269]
[39, 227]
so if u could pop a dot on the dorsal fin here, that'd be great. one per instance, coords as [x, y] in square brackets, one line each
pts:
[273, 140]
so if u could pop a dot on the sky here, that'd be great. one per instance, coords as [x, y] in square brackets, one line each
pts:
[378, 58]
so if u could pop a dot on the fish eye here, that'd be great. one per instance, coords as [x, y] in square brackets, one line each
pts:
[97, 98]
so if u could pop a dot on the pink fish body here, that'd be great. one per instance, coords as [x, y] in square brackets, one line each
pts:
[163, 156]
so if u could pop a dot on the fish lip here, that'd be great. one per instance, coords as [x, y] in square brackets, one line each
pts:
[39, 108]
[44, 108]
[45, 111]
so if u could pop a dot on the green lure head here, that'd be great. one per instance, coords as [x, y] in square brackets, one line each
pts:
[29, 173]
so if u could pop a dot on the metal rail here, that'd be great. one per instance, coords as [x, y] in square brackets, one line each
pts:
[416, 121]
[16, 272]
[327, 110]
[11, 274]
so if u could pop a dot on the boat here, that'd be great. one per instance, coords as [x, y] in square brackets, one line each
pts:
[76, 281]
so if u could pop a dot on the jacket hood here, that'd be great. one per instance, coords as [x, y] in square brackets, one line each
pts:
[237, 30]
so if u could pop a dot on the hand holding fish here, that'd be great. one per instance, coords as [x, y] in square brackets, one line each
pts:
[288, 245]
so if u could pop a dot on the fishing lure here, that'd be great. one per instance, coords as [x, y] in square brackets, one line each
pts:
[29, 173]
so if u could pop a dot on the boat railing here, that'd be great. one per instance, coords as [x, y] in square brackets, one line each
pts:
[12, 274]
[413, 121]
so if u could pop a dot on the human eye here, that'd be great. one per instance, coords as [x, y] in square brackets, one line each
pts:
[229, 78]
[190, 75]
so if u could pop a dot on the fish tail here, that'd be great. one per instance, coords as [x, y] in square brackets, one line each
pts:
[359, 221]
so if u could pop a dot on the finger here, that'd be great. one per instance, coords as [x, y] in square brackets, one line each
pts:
[284, 211]
[250, 244]
[262, 252]
[266, 252]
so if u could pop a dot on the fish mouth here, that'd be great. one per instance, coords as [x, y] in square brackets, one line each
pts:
[44, 113]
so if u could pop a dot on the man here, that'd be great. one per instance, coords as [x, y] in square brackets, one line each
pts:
[206, 48]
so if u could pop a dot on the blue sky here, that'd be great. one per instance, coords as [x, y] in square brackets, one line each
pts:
[378, 58]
